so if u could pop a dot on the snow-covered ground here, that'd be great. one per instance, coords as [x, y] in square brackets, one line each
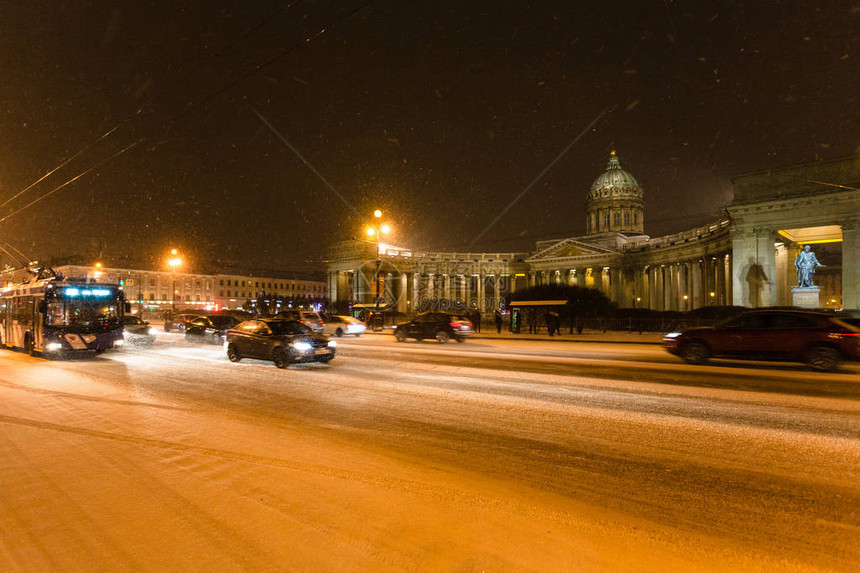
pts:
[488, 455]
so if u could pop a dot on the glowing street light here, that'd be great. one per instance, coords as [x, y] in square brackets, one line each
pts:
[375, 231]
[174, 261]
[98, 272]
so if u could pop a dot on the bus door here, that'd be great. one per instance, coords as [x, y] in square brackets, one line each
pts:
[22, 311]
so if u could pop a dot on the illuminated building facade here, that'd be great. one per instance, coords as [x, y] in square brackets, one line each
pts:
[744, 259]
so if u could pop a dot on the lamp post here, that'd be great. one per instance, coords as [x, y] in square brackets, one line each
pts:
[375, 230]
[174, 262]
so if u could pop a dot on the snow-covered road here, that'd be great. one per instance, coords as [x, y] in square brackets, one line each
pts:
[489, 455]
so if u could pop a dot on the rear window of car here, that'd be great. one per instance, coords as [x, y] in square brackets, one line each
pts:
[289, 327]
[223, 321]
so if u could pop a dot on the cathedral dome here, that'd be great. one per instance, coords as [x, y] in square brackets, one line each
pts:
[615, 202]
[615, 181]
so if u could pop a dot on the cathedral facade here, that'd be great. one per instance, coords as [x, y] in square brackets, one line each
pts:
[743, 259]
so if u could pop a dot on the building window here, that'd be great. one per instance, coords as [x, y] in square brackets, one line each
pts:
[187, 298]
[165, 297]
[221, 282]
[635, 217]
[220, 293]
[626, 218]
[198, 298]
[606, 220]
[243, 283]
[616, 218]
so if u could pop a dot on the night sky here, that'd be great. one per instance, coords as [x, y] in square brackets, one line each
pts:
[439, 113]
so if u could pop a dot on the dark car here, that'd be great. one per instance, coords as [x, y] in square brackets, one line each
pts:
[179, 321]
[819, 340]
[210, 329]
[439, 325]
[281, 340]
[137, 332]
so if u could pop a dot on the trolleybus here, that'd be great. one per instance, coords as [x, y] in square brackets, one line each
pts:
[52, 315]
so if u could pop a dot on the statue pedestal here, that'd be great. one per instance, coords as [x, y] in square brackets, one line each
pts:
[805, 297]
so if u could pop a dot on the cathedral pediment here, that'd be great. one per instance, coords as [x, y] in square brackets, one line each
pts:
[568, 248]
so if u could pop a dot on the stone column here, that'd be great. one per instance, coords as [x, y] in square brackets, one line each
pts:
[721, 280]
[496, 294]
[402, 295]
[659, 292]
[416, 291]
[697, 288]
[850, 264]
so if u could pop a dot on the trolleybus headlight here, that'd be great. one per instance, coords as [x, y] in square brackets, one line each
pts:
[51, 346]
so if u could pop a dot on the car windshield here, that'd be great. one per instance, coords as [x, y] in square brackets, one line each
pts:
[128, 320]
[288, 327]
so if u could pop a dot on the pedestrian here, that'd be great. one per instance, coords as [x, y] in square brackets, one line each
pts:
[532, 321]
[555, 323]
[547, 318]
[476, 321]
[497, 316]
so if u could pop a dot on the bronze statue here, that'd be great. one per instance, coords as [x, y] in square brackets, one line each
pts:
[806, 264]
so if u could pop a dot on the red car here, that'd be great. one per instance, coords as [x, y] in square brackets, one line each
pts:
[819, 340]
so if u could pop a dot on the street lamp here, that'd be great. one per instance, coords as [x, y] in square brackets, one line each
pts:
[174, 262]
[375, 230]
[98, 272]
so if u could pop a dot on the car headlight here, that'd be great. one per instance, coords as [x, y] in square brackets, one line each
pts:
[119, 342]
[672, 335]
[152, 331]
[53, 346]
[332, 343]
[302, 346]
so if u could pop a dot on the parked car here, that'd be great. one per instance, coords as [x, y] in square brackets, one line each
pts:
[819, 340]
[137, 332]
[279, 340]
[439, 325]
[179, 321]
[338, 325]
[307, 317]
[210, 329]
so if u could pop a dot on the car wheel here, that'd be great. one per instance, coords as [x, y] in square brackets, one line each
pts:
[460, 339]
[822, 358]
[338, 332]
[188, 338]
[443, 336]
[326, 359]
[233, 353]
[281, 359]
[400, 336]
[695, 353]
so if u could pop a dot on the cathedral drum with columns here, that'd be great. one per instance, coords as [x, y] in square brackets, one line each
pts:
[746, 259]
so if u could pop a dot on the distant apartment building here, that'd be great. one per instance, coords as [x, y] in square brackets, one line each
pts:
[157, 290]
